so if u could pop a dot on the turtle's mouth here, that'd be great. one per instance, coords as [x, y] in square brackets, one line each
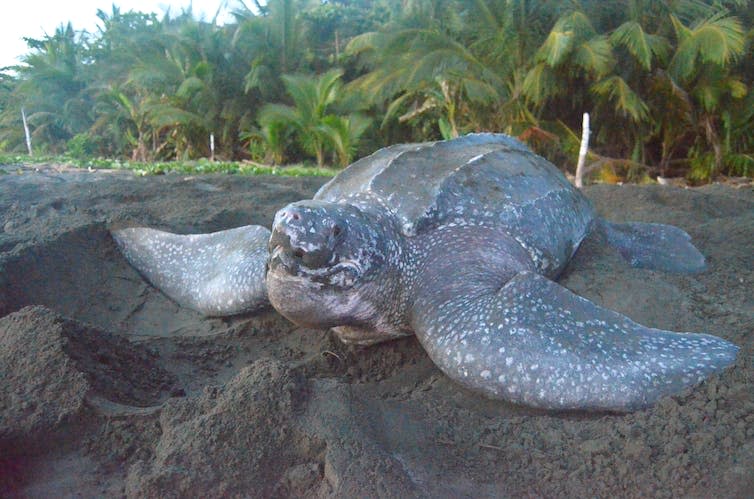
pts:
[335, 271]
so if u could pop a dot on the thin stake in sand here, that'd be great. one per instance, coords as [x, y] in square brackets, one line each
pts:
[579, 181]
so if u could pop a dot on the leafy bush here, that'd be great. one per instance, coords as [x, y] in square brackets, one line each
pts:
[82, 146]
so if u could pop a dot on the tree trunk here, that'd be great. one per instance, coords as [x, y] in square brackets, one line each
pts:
[140, 151]
[714, 141]
[319, 151]
[450, 107]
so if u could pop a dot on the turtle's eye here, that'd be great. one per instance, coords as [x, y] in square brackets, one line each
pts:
[336, 230]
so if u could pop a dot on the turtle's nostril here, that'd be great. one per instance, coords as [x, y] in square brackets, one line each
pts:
[336, 230]
[290, 214]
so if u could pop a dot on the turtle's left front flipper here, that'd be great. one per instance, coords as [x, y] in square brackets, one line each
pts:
[535, 342]
[221, 273]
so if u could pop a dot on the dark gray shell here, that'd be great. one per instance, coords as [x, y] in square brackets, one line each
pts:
[410, 179]
[477, 179]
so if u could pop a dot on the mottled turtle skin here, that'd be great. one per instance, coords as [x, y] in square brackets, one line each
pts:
[457, 242]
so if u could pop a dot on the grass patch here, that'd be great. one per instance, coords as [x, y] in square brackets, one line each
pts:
[194, 167]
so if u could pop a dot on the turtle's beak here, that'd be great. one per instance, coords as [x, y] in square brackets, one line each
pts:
[298, 240]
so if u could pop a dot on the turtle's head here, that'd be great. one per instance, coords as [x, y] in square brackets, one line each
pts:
[322, 258]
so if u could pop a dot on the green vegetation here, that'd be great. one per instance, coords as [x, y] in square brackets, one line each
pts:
[199, 166]
[668, 84]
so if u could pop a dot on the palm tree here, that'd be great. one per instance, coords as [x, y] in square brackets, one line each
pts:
[272, 137]
[52, 87]
[459, 66]
[343, 134]
[312, 123]
[421, 71]
[701, 67]
[273, 41]
[123, 122]
[639, 48]
[572, 54]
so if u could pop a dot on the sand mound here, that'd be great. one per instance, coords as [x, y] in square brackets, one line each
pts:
[109, 388]
[54, 366]
[244, 424]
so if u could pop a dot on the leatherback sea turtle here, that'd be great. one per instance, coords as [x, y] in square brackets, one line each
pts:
[457, 242]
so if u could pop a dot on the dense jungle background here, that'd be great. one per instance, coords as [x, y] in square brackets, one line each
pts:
[668, 84]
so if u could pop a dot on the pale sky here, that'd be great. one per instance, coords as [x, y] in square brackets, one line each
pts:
[34, 18]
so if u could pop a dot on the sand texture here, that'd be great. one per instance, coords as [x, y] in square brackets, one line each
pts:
[108, 388]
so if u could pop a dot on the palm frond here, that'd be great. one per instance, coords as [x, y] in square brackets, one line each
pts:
[166, 115]
[569, 31]
[479, 90]
[594, 56]
[395, 106]
[365, 42]
[279, 113]
[625, 100]
[718, 41]
[190, 86]
[540, 83]
[644, 47]
[343, 134]
[556, 47]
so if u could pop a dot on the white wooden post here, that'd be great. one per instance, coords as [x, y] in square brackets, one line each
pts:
[579, 181]
[212, 146]
[26, 131]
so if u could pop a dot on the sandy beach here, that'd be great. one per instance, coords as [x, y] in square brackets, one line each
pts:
[108, 388]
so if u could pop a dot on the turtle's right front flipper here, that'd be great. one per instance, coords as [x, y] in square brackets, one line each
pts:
[535, 342]
[221, 273]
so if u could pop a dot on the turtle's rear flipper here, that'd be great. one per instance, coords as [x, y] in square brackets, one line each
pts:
[535, 342]
[654, 246]
[221, 273]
